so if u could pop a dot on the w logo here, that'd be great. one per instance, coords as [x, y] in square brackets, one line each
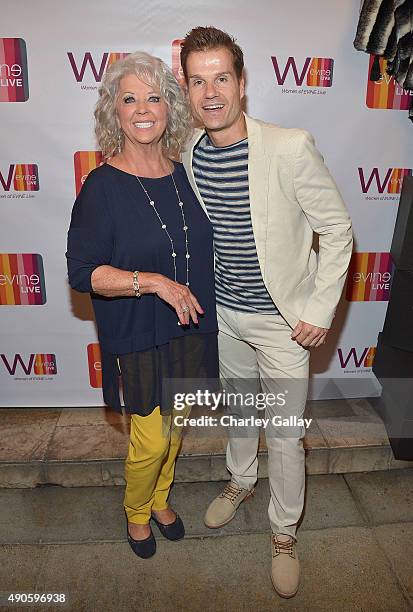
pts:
[364, 360]
[392, 180]
[318, 71]
[41, 364]
[96, 66]
[25, 177]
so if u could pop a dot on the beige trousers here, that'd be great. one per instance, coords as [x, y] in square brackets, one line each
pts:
[257, 355]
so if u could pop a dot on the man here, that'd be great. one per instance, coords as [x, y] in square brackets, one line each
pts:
[266, 191]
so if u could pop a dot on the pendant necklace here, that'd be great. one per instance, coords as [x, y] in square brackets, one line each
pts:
[164, 227]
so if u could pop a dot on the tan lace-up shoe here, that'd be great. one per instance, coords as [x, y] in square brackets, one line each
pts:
[285, 567]
[223, 508]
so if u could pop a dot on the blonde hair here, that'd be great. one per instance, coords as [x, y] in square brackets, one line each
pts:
[152, 71]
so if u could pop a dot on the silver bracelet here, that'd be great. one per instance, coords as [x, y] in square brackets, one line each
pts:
[135, 284]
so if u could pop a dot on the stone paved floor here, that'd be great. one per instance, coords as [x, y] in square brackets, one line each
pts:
[87, 446]
[355, 545]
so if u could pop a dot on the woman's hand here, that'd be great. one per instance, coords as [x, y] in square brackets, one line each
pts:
[177, 295]
[112, 282]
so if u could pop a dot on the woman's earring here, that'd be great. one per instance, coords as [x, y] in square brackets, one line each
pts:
[119, 143]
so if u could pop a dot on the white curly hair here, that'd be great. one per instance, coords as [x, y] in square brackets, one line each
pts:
[155, 72]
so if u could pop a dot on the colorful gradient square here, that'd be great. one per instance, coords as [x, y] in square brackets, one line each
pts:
[316, 75]
[114, 57]
[45, 364]
[369, 288]
[396, 179]
[385, 93]
[176, 60]
[93, 357]
[26, 177]
[22, 280]
[13, 53]
[85, 162]
[369, 358]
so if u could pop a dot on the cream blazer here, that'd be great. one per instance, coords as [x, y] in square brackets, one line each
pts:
[292, 195]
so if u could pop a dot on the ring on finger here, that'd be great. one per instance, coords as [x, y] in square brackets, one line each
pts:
[185, 309]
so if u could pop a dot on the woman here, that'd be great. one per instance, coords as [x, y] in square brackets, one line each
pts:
[141, 244]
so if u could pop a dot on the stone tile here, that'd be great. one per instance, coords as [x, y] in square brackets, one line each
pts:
[22, 475]
[353, 431]
[28, 416]
[324, 409]
[113, 472]
[396, 540]
[198, 442]
[85, 443]
[195, 575]
[362, 407]
[193, 469]
[314, 437]
[21, 442]
[387, 497]
[92, 416]
[329, 503]
[19, 569]
[118, 441]
[398, 464]
[56, 514]
[218, 470]
[317, 461]
[335, 580]
[74, 474]
[361, 459]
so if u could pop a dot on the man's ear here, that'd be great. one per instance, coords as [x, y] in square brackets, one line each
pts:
[242, 85]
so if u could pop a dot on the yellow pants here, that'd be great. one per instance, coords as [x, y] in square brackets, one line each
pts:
[150, 464]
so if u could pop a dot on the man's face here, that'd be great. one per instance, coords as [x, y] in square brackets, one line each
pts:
[214, 90]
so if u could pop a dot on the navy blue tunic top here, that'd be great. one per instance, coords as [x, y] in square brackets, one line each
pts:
[113, 223]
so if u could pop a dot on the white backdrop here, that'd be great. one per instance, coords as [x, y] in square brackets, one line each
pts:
[46, 328]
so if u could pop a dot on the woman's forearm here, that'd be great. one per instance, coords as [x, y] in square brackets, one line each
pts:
[113, 282]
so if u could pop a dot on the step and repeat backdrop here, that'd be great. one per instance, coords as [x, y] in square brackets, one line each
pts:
[302, 71]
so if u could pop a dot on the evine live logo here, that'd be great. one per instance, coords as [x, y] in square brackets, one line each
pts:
[19, 181]
[309, 76]
[29, 367]
[356, 360]
[88, 68]
[382, 183]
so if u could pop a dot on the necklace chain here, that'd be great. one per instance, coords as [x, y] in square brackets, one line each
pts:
[164, 227]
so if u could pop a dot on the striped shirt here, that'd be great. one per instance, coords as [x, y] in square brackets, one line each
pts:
[221, 175]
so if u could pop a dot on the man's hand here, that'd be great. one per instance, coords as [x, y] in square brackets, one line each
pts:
[309, 335]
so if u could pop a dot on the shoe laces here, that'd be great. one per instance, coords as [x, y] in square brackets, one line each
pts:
[231, 492]
[282, 547]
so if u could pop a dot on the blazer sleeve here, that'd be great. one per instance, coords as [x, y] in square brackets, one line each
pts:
[90, 236]
[327, 215]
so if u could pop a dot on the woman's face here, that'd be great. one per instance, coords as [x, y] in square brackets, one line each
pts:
[142, 112]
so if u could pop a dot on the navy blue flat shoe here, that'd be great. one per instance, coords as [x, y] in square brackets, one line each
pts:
[173, 531]
[142, 548]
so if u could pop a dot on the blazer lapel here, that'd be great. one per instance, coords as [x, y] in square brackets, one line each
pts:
[258, 174]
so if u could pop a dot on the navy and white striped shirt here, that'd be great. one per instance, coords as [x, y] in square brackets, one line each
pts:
[221, 174]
